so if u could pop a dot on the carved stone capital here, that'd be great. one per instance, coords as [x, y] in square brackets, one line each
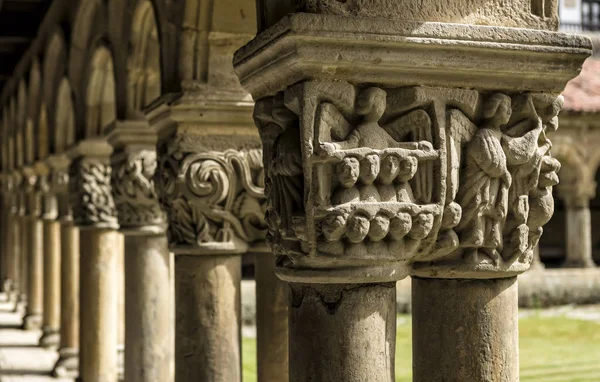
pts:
[396, 147]
[577, 195]
[372, 184]
[30, 186]
[135, 196]
[90, 187]
[59, 185]
[209, 177]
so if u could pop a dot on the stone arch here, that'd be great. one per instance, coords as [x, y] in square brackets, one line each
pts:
[202, 17]
[144, 65]
[572, 159]
[90, 20]
[54, 68]
[18, 124]
[100, 96]
[5, 141]
[33, 108]
[64, 132]
[42, 137]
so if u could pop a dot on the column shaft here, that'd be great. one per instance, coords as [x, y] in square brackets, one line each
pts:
[120, 250]
[465, 330]
[148, 337]
[12, 245]
[207, 339]
[52, 300]
[68, 362]
[579, 238]
[35, 274]
[271, 321]
[342, 332]
[24, 244]
[98, 305]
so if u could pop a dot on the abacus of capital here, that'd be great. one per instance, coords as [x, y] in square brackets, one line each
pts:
[395, 148]
[149, 332]
[95, 214]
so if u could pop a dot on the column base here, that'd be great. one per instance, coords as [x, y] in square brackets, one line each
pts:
[32, 322]
[67, 365]
[579, 264]
[51, 338]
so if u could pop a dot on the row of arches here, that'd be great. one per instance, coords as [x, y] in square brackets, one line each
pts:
[96, 61]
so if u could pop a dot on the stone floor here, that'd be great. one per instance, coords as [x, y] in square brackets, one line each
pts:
[21, 360]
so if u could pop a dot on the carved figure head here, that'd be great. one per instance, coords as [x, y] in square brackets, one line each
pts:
[371, 103]
[379, 228]
[422, 226]
[348, 171]
[333, 227]
[408, 169]
[400, 225]
[549, 115]
[358, 228]
[369, 169]
[390, 167]
[497, 110]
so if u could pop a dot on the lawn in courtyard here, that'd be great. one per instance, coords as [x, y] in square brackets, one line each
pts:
[553, 348]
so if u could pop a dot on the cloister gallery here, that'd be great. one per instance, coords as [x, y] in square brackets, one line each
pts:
[148, 146]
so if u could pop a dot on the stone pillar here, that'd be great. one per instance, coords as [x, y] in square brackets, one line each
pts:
[8, 245]
[579, 224]
[403, 138]
[35, 250]
[52, 300]
[210, 185]
[68, 362]
[21, 241]
[95, 214]
[149, 352]
[271, 318]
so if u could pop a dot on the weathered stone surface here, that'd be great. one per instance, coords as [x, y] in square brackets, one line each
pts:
[208, 318]
[536, 14]
[355, 328]
[474, 320]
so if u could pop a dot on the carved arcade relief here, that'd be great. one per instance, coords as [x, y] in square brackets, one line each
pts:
[363, 177]
[214, 200]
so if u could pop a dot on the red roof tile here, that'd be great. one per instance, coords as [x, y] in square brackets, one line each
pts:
[582, 93]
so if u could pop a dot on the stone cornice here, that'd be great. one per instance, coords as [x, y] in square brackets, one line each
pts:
[404, 53]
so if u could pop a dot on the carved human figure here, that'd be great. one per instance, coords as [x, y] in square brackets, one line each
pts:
[348, 171]
[369, 171]
[287, 192]
[371, 104]
[485, 181]
[407, 170]
[390, 167]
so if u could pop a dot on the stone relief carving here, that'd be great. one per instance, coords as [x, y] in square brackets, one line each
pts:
[90, 192]
[362, 177]
[211, 198]
[134, 192]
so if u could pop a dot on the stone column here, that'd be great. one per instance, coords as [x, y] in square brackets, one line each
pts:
[52, 301]
[95, 214]
[8, 245]
[395, 143]
[271, 318]
[579, 224]
[209, 181]
[35, 250]
[21, 240]
[149, 352]
[67, 364]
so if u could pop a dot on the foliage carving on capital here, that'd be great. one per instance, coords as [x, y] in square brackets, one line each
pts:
[90, 193]
[212, 198]
[134, 192]
[400, 179]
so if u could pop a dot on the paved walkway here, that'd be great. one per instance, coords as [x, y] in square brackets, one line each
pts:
[21, 360]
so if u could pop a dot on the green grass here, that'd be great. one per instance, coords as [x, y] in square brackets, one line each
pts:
[552, 349]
